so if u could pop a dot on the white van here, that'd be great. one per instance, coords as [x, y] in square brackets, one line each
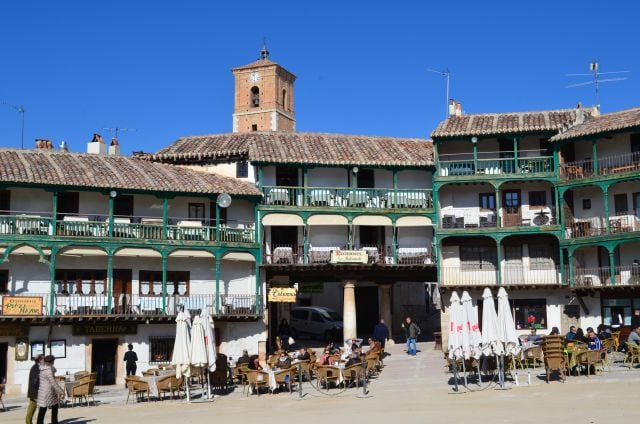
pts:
[316, 321]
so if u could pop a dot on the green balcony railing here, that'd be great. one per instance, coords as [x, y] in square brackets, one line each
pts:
[345, 197]
[501, 166]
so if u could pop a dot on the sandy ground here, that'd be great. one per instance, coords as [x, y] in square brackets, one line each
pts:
[409, 390]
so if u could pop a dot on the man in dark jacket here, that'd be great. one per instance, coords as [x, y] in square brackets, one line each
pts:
[131, 360]
[244, 359]
[32, 388]
[412, 331]
[381, 333]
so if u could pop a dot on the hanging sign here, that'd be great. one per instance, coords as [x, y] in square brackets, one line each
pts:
[22, 305]
[282, 294]
[99, 329]
[349, 257]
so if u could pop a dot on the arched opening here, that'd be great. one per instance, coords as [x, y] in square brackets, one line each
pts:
[255, 97]
[469, 261]
[284, 99]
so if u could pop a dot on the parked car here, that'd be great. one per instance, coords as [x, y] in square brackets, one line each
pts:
[316, 321]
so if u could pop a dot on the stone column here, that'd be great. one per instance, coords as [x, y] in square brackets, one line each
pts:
[385, 309]
[349, 310]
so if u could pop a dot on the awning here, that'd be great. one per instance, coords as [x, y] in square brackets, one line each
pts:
[239, 256]
[414, 221]
[282, 219]
[327, 220]
[25, 250]
[82, 251]
[138, 252]
[372, 220]
[188, 253]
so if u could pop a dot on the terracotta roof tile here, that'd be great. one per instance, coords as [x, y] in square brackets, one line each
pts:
[46, 167]
[299, 147]
[608, 122]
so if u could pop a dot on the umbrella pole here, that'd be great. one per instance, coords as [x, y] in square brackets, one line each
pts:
[464, 370]
[208, 383]
[455, 376]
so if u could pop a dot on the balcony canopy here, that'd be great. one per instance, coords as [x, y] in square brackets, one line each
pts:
[328, 220]
[372, 220]
[282, 220]
[414, 221]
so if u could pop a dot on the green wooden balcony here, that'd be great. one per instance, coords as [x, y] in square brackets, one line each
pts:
[615, 165]
[345, 197]
[524, 166]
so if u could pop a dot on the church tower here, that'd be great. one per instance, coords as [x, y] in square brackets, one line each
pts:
[263, 97]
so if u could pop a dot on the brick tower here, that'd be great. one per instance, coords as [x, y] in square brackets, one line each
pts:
[263, 97]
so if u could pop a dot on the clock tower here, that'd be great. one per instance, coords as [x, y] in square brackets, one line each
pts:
[263, 96]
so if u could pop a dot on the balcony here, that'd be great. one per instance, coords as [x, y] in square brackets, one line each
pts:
[462, 166]
[624, 222]
[332, 197]
[487, 275]
[628, 275]
[135, 228]
[607, 166]
[459, 218]
[138, 305]
[293, 254]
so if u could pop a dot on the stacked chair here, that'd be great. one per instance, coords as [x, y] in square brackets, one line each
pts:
[553, 356]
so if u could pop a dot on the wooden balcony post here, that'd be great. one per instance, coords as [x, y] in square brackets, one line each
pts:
[54, 215]
[350, 240]
[562, 281]
[305, 184]
[395, 187]
[165, 218]
[259, 177]
[594, 152]
[257, 273]
[394, 241]
[571, 270]
[612, 268]
[499, 260]
[52, 274]
[499, 222]
[515, 156]
[109, 279]
[607, 223]
[111, 207]
[305, 240]
[217, 275]
[217, 222]
[164, 282]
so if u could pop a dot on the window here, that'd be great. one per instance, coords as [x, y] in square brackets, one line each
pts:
[299, 315]
[538, 198]
[286, 176]
[284, 99]
[254, 127]
[242, 169]
[68, 204]
[365, 178]
[160, 349]
[636, 203]
[473, 258]
[255, 97]
[620, 203]
[487, 201]
[315, 317]
[530, 313]
[123, 205]
[150, 283]
[196, 210]
[5, 202]
[541, 257]
[86, 281]
[212, 214]
[635, 143]
[4, 281]
[586, 204]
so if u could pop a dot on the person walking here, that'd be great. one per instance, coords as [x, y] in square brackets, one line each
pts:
[381, 333]
[32, 388]
[131, 359]
[412, 331]
[49, 391]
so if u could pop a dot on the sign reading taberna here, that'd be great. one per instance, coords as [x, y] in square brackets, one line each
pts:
[98, 329]
[282, 294]
[349, 257]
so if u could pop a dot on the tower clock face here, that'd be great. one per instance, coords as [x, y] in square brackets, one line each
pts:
[254, 77]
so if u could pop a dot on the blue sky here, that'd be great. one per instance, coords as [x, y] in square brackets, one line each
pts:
[164, 67]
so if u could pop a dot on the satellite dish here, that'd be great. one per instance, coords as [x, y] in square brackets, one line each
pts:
[224, 200]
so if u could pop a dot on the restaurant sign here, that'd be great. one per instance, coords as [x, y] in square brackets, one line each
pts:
[14, 329]
[282, 294]
[349, 257]
[22, 305]
[103, 329]
[311, 287]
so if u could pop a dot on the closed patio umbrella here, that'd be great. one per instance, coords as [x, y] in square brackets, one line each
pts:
[210, 344]
[474, 338]
[506, 325]
[181, 357]
[456, 327]
[491, 344]
[198, 347]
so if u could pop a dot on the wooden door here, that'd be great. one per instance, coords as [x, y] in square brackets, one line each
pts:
[122, 290]
[511, 208]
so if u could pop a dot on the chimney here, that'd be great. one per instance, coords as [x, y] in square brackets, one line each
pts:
[44, 144]
[96, 146]
[114, 148]
[63, 146]
[579, 114]
[458, 109]
[452, 107]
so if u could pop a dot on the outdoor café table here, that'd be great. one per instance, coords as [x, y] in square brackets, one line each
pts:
[572, 355]
[152, 381]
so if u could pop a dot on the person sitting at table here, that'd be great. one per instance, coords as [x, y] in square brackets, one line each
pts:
[604, 332]
[333, 349]
[244, 359]
[634, 336]
[254, 362]
[303, 355]
[283, 362]
[325, 358]
[533, 337]
[571, 334]
[580, 335]
[374, 346]
[555, 331]
[354, 358]
[593, 341]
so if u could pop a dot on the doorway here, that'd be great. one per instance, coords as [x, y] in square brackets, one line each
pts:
[4, 349]
[122, 290]
[103, 360]
[366, 310]
[511, 203]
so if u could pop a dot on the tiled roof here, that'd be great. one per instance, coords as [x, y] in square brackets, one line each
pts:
[299, 148]
[608, 122]
[257, 64]
[506, 123]
[46, 168]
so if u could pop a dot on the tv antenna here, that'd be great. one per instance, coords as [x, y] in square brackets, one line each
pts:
[444, 73]
[594, 67]
[20, 110]
[115, 130]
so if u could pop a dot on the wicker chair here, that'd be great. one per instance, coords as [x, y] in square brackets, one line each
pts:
[137, 387]
[240, 375]
[533, 355]
[306, 369]
[353, 374]
[326, 375]
[150, 372]
[257, 379]
[80, 391]
[590, 358]
[79, 374]
[633, 354]
[169, 384]
[2, 394]
[285, 378]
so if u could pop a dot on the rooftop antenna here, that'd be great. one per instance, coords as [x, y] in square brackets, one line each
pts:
[20, 110]
[116, 130]
[445, 73]
[594, 67]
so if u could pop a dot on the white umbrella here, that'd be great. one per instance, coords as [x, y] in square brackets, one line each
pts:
[181, 357]
[506, 326]
[490, 339]
[210, 344]
[198, 347]
[474, 338]
[456, 328]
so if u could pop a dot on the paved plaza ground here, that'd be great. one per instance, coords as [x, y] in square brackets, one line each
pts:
[409, 390]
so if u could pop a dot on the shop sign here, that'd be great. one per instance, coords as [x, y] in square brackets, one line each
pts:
[349, 257]
[8, 329]
[282, 294]
[103, 329]
[313, 287]
[21, 305]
